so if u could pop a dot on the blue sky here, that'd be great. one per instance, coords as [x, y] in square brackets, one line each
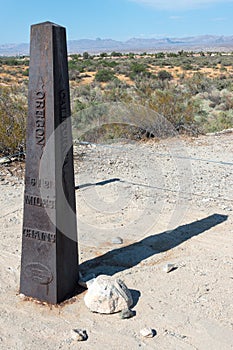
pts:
[117, 19]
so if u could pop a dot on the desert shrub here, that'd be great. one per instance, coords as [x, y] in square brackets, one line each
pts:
[14, 61]
[223, 83]
[223, 69]
[164, 75]
[145, 89]
[25, 72]
[75, 56]
[138, 70]
[160, 55]
[12, 120]
[82, 65]
[79, 105]
[131, 55]
[123, 67]
[198, 83]
[172, 54]
[109, 63]
[226, 102]
[116, 54]
[187, 66]
[26, 62]
[218, 121]
[86, 95]
[87, 118]
[72, 64]
[117, 91]
[177, 107]
[6, 79]
[103, 54]
[10, 61]
[86, 55]
[74, 75]
[104, 75]
[215, 97]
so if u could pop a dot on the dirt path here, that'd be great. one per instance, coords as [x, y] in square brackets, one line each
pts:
[170, 202]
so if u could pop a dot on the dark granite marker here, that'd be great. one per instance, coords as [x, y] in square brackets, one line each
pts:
[49, 265]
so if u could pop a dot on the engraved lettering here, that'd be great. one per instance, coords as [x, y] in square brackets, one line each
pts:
[40, 104]
[35, 182]
[64, 126]
[39, 235]
[40, 116]
[28, 200]
[63, 104]
[40, 123]
[40, 95]
[39, 202]
[39, 133]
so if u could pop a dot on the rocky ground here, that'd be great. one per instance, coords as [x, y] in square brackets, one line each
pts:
[170, 202]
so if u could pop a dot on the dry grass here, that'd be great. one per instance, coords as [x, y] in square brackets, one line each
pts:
[12, 75]
[178, 71]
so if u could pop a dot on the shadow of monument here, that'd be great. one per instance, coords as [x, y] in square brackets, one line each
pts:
[136, 294]
[126, 257]
[100, 183]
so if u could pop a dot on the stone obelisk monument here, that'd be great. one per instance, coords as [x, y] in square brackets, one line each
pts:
[49, 265]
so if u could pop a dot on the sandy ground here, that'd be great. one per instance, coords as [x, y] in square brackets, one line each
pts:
[167, 208]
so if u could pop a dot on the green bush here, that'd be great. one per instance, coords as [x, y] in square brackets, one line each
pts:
[116, 54]
[108, 63]
[217, 122]
[139, 70]
[104, 75]
[25, 73]
[164, 75]
[177, 107]
[86, 55]
[103, 54]
[13, 112]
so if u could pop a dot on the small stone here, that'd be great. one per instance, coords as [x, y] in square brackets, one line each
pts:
[79, 334]
[5, 160]
[147, 332]
[21, 296]
[127, 313]
[169, 267]
[117, 240]
[227, 208]
[107, 295]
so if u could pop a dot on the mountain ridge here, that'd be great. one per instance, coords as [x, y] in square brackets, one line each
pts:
[95, 46]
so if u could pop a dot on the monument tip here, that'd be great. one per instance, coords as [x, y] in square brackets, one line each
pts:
[46, 23]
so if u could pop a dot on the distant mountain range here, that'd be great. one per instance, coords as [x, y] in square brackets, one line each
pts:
[203, 42]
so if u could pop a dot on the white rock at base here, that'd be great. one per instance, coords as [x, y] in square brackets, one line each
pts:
[117, 240]
[21, 295]
[147, 332]
[107, 295]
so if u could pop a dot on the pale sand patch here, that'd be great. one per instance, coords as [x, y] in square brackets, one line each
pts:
[190, 307]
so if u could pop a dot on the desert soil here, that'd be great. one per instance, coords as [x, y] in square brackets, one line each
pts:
[171, 202]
